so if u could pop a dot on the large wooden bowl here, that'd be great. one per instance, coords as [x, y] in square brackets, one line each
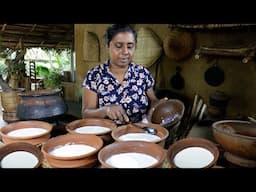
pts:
[238, 139]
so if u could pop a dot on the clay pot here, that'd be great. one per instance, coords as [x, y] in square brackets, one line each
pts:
[138, 128]
[105, 135]
[142, 147]
[84, 160]
[238, 140]
[21, 146]
[37, 139]
[192, 162]
[40, 104]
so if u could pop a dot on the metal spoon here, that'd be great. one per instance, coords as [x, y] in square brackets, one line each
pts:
[150, 130]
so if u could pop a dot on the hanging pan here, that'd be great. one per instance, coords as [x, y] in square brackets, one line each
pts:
[177, 81]
[214, 75]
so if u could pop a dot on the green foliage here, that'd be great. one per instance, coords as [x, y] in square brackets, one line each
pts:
[53, 79]
[41, 71]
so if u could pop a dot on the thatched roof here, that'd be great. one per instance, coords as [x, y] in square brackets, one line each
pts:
[15, 36]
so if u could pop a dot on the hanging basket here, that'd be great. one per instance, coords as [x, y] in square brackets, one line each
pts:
[179, 45]
[149, 47]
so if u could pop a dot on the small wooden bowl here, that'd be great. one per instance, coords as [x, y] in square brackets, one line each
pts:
[84, 160]
[143, 147]
[35, 139]
[21, 146]
[168, 113]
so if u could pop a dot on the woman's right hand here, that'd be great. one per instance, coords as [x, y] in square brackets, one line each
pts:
[116, 112]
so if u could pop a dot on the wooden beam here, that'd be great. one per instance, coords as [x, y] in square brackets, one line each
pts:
[247, 53]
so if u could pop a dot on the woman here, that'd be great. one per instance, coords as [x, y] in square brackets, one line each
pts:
[118, 89]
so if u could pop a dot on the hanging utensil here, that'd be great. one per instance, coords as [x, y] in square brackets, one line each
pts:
[214, 76]
[177, 81]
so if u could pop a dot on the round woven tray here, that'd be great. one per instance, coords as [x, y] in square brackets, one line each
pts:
[179, 45]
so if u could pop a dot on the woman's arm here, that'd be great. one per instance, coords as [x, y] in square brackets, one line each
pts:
[90, 105]
[90, 108]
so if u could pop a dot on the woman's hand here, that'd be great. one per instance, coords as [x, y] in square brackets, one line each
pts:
[117, 113]
[153, 106]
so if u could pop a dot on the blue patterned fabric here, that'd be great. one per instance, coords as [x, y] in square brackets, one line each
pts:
[131, 93]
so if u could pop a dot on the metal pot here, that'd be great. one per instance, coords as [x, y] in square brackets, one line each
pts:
[40, 104]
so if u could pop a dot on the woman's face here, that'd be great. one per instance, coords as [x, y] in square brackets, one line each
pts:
[121, 49]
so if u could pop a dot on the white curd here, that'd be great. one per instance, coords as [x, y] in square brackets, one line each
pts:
[131, 160]
[193, 157]
[92, 129]
[70, 150]
[19, 159]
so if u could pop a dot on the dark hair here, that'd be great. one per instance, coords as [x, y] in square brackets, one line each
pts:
[113, 29]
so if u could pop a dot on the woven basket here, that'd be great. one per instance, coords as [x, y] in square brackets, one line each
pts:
[91, 47]
[149, 47]
[179, 45]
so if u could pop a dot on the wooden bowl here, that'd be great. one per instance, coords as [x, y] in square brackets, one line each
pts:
[17, 162]
[162, 132]
[168, 113]
[192, 153]
[141, 147]
[82, 160]
[73, 126]
[36, 139]
[238, 140]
